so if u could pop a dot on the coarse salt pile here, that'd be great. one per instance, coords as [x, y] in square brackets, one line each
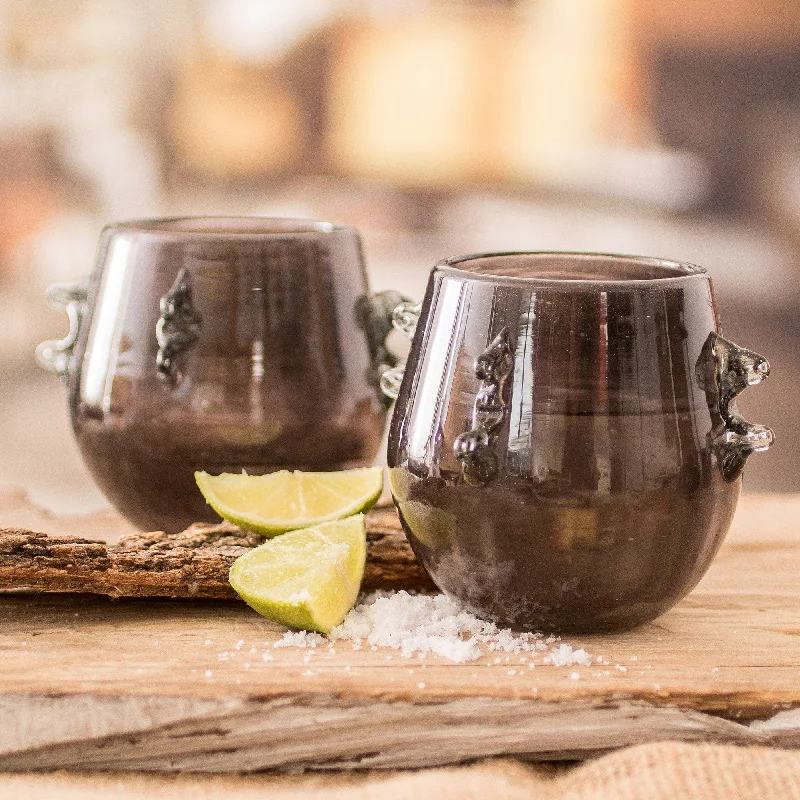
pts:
[419, 625]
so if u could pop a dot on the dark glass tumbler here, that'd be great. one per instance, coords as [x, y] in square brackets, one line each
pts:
[220, 344]
[565, 452]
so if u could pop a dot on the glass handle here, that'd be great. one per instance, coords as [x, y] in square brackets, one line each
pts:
[402, 316]
[177, 329]
[55, 355]
[474, 447]
[727, 371]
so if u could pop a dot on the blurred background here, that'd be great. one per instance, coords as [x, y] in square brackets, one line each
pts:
[437, 127]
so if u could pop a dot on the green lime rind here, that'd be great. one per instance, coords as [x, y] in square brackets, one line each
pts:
[307, 579]
[364, 487]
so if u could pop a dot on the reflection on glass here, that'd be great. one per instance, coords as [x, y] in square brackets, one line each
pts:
[102, 349]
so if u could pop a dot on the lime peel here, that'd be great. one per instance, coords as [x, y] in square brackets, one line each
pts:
[307, 579]
[286, 501]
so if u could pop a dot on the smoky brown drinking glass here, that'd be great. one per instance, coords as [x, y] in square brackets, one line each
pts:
[220, 344]
[565, 451]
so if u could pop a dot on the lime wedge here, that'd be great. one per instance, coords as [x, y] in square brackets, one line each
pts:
[305, 579]
[285, 501]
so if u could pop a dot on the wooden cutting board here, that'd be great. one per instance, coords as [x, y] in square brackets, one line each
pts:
[158, 684]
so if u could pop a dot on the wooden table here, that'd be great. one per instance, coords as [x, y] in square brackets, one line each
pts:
[93, 683]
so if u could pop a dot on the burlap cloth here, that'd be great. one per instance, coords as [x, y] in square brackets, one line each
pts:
[667, 770]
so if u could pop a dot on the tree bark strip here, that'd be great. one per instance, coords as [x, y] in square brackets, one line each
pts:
[193, 563]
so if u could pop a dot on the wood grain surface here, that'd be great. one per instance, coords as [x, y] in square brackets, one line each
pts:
[158, 684]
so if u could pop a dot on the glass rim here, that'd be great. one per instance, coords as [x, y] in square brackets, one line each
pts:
[227, 226]
[673, 271]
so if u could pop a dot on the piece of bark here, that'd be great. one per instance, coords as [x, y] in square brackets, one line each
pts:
[193, 563]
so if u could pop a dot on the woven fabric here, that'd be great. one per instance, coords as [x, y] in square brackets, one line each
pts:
[663, 771]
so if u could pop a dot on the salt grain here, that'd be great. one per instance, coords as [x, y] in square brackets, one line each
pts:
[421, 625]
[300, 639]
[414, 625]
[565, 656]
[266, 657]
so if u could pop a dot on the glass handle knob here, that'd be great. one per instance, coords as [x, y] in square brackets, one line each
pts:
[177, 329]
[473, 448]
[55, 355]
[403, 317]
[724, 371]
